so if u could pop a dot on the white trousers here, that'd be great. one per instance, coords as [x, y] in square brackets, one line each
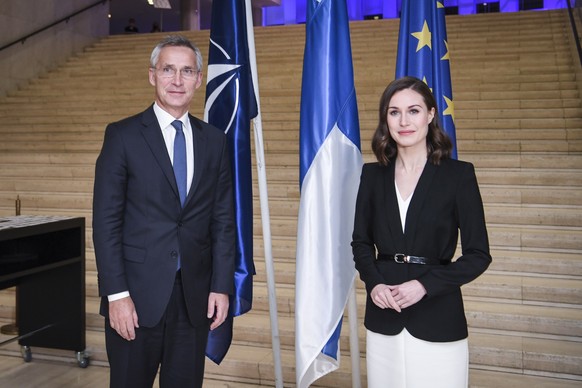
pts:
[402, 361]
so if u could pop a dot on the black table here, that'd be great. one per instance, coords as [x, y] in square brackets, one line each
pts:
[44, 257]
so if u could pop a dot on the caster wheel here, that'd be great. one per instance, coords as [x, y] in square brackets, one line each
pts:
[82, 360]
[26, 353]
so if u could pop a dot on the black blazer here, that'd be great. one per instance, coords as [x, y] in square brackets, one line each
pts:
[446, 200]
[140, 228]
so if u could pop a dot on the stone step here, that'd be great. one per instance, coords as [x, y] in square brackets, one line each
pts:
[494, 378]
[505, 258]
[523, 261]
[529, 305]
[493, 350]
[544, 289]
[496, 213]
[50, 159]
[286, 196]
[466, 114]
[252, 334]
[47, 186]
[82, 165]
[539, 321]
[563, 289]
[537, 261]
[73, 146]
[131, 76]
[525, 307]
[564, 150]
[49, 171]
[260, 362]
[543, 292]
[540, 238]
[368, 101]
[524, 236]
[523, 264]
[285, 201]
[482, 78]
[72, 138]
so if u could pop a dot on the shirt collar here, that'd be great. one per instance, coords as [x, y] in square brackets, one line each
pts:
[165, 119]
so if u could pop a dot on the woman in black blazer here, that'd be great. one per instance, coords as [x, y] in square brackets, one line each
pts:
[411, 206]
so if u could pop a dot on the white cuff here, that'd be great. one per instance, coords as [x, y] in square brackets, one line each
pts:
[117, 296]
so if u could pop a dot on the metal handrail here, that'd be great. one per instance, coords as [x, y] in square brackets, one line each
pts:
[65, 19]
[574, 30]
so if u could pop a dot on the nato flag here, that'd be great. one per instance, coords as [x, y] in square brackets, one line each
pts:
[230, 106]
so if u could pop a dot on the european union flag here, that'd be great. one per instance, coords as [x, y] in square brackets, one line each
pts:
[423, 52]
[230, 105]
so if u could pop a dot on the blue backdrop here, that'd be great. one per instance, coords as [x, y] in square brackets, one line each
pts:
[293, 11]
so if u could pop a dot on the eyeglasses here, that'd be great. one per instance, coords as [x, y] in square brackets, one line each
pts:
[170, 72]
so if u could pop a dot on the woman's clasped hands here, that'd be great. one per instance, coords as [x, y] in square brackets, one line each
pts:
[398, 297]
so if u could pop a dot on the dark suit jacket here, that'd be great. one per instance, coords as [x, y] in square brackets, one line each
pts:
[140, 228]
[446, 200]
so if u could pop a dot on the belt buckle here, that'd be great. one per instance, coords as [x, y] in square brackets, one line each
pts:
[401, 258]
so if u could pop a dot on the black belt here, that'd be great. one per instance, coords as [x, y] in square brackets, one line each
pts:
[407, 259]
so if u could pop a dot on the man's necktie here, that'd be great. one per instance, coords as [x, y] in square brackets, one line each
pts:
[180, 161]
[180, 165]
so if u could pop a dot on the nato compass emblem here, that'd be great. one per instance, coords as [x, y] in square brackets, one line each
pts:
[222, 89]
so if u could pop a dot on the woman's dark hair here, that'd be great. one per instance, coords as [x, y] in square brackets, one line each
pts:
[437, 142]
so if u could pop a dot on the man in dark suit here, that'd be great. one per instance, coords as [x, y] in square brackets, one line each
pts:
[163, 230]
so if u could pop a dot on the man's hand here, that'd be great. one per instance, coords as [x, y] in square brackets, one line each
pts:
[217, 309]
[123, 317]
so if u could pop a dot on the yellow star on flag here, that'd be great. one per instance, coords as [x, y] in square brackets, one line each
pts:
[446, 56]
[424, 37]
[450, 108]
[426, 82]
[440, 5]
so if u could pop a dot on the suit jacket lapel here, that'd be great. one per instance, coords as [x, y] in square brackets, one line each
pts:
[200, 149]
[153, 135]
[392, 213]
[415, 209]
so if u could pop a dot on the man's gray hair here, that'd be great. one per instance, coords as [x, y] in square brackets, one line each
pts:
[175, 41]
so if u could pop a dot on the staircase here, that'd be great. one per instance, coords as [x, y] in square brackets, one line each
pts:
[518, 113]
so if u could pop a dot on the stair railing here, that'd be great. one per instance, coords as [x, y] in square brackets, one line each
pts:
[64, 19]
[574, 29]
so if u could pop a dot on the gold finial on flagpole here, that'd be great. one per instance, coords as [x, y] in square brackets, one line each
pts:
[18, 205]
